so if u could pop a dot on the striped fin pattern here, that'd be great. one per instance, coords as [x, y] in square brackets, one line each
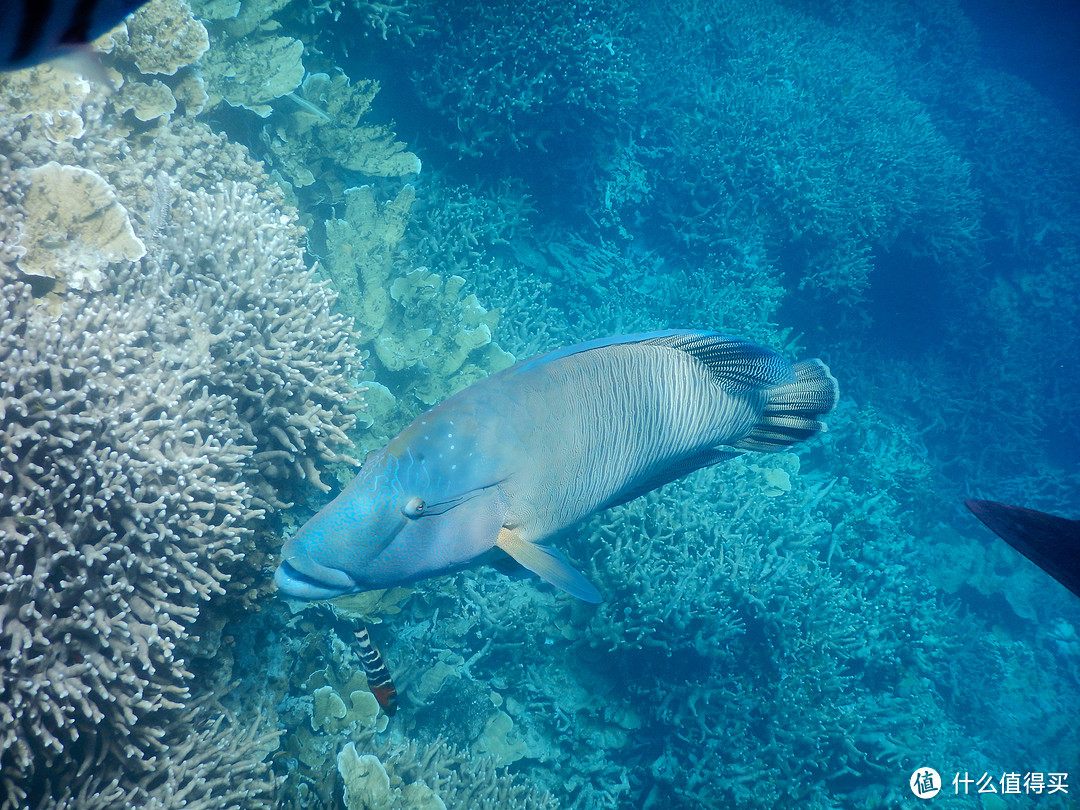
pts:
[735, 364]
[378, 677]
[790, 415]
[35, 31]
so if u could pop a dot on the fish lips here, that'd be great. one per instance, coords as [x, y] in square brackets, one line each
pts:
[305, 579]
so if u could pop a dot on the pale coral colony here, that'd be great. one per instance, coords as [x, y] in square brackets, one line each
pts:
[227, 278]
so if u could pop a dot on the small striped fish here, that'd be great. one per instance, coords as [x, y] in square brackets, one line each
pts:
[507, 463]
[378, 677]
[35, 31]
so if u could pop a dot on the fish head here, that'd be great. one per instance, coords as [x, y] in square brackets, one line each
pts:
[398, 521]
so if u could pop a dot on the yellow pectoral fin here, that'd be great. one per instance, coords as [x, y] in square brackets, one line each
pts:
[548, 564]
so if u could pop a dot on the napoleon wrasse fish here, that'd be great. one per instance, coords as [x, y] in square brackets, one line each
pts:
[519, 456]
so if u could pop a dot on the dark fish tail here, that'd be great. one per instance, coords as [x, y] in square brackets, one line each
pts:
[792, 410]
[35, 31]
[379, 681]
[80, 24]
[1049, 541]
[31, 30]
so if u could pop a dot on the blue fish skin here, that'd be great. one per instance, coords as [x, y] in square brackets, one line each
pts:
[34, 31]
[517, 457]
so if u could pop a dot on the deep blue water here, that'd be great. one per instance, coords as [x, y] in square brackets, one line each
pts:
[896, 184]
[890, 186]
[954, 337]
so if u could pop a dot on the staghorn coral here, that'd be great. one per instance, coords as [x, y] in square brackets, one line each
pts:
[286, 366]
[794, 135]
[210, 762]
[118, 517]
[509, 76]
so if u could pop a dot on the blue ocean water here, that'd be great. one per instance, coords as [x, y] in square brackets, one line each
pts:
[892, 186]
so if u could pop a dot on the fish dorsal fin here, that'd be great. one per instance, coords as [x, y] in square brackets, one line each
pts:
[735, 364]
[548, 564]
[598, 343]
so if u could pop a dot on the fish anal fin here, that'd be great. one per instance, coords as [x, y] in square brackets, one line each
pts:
[685, 466]
[548, 564]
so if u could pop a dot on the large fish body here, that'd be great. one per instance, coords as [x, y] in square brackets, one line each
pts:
[517, 457]
[35, 31]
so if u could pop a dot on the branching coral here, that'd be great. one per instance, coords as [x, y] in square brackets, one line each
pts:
[538, 73]
[145, 427]
[790, 133]
[119, 513]
[291, 376]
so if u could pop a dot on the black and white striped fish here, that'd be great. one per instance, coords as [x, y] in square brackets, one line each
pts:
[378, 677]
[35, 31]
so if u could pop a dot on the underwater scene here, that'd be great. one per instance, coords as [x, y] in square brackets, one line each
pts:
[824, 259]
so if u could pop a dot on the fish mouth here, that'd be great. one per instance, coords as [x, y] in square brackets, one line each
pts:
[309, 585]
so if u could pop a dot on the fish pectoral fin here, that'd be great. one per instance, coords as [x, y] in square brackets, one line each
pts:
[548, 564]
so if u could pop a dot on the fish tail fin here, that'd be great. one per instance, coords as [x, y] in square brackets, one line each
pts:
[1049, 541]
[792, 410]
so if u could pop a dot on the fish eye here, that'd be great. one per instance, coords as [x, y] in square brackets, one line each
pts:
[413, 508]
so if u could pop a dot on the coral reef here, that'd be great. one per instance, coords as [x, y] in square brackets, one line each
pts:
[323, 140]
[540, 74]
[151, 412]
[792, 135]
[799, 629]
[416, 322]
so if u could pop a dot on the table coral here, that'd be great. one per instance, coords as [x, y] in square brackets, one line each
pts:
[74, 227]
[161, 38]
[253, 74]
[146, 100]
[328, 132]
